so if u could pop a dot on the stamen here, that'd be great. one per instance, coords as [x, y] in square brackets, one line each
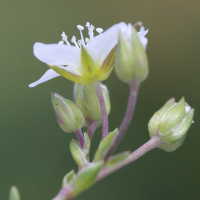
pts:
[87, 24]
[138, 24]
[73, 40]
[80, 28]
[91, 31]
[64, 38]
[99, 30]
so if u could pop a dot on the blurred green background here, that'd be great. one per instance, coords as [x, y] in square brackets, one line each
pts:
[34, 153]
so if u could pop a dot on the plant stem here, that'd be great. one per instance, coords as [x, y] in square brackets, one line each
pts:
[92, 125]
[104, 115]
[134, 88]
[153, 143]
[80, 137]
[64, 194]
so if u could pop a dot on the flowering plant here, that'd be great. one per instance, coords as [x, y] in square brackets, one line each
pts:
[86, 63]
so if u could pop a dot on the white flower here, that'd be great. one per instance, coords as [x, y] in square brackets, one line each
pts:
[88, 60]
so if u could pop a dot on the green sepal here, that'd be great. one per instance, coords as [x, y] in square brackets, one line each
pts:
[124, 67]
[85, 178]
[178, 113]
[183, 127]
[14, 193]
[140, 59]
[155, 120]
[86, 148]
[77, 153]
[68, 178]
[116, 159]
[104, 146]
[107, 65]
[87, 62]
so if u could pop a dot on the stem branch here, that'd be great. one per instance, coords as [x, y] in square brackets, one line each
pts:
[134, 88]
[92, 125]
[153, 143]
[104, 115]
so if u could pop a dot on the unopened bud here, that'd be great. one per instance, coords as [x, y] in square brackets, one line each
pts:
[173, 121]
[131, 60]
[86, 98]
[68, 114]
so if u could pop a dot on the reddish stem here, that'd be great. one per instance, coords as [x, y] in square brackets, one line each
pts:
[92, 125]
[104, 115]
[153, 143]
[134, 87]
[80, 137]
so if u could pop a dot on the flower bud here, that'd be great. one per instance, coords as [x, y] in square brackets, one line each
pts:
[69, 116]
[173, 121]
[131, 59]
[87, 100]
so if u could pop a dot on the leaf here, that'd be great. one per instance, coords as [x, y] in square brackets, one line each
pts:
[104, 146]
[68, 178]
[85, 178]
[116, 159]
[77, 153]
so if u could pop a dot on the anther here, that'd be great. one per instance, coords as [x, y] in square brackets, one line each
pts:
[99, 30]
[73, 40]
[64, 38]
[80, 28]
[137, 24]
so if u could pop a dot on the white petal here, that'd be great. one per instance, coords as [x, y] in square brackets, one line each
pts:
[142, 33]
[102, 44]
[55, 54]
[144, 42]
[49, 74]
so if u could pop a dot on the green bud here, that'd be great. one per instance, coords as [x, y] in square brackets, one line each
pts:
[85, 178]
[131, 60]
[173, 121]
[86, 98]
[68, 178]
[69, 116]
[104, 146]
[14, 193]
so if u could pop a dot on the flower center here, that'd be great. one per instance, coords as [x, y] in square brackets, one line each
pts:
[82, 41]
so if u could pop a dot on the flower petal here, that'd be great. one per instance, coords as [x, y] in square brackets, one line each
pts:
[56, 54]
[142, 33]
[102, 44]
[49, 74]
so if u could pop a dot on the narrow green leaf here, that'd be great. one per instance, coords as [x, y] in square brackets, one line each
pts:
[85, 178]
[104, 146]
[77, 153]
[68, 178]
[116, 159]
[86, 149]
[14, 193]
